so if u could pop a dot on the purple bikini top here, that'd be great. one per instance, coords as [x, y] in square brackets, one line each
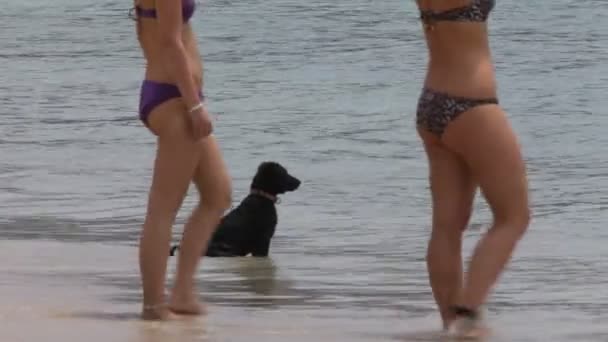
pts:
[188, 7]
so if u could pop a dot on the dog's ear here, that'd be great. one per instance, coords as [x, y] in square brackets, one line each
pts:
[262, 166]
[264, 178]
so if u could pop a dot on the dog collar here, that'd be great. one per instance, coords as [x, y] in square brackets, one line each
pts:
[264, 194]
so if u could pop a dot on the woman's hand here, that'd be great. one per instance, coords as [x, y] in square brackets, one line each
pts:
[201, 123]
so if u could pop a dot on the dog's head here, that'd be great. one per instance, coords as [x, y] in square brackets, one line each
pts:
[274, 179]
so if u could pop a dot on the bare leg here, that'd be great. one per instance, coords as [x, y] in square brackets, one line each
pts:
[484, 138]
[214, 186]
[176, 160]
[453, 191]
[172, 174]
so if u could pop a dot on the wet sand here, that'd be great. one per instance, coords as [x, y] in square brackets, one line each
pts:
[55, 291]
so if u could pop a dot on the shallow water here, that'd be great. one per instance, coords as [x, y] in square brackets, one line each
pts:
[328, 89]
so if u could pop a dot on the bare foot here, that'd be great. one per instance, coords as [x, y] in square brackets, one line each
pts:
[466, 328]
[156, 313]
[186, 306]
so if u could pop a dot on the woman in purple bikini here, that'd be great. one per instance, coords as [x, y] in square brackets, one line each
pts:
[172, 107]
[469, 144]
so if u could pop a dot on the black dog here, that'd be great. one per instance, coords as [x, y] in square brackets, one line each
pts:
[249, 227]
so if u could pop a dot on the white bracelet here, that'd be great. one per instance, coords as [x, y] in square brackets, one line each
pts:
[199, 105]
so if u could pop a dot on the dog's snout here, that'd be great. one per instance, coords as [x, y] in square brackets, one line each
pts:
[294, 183]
